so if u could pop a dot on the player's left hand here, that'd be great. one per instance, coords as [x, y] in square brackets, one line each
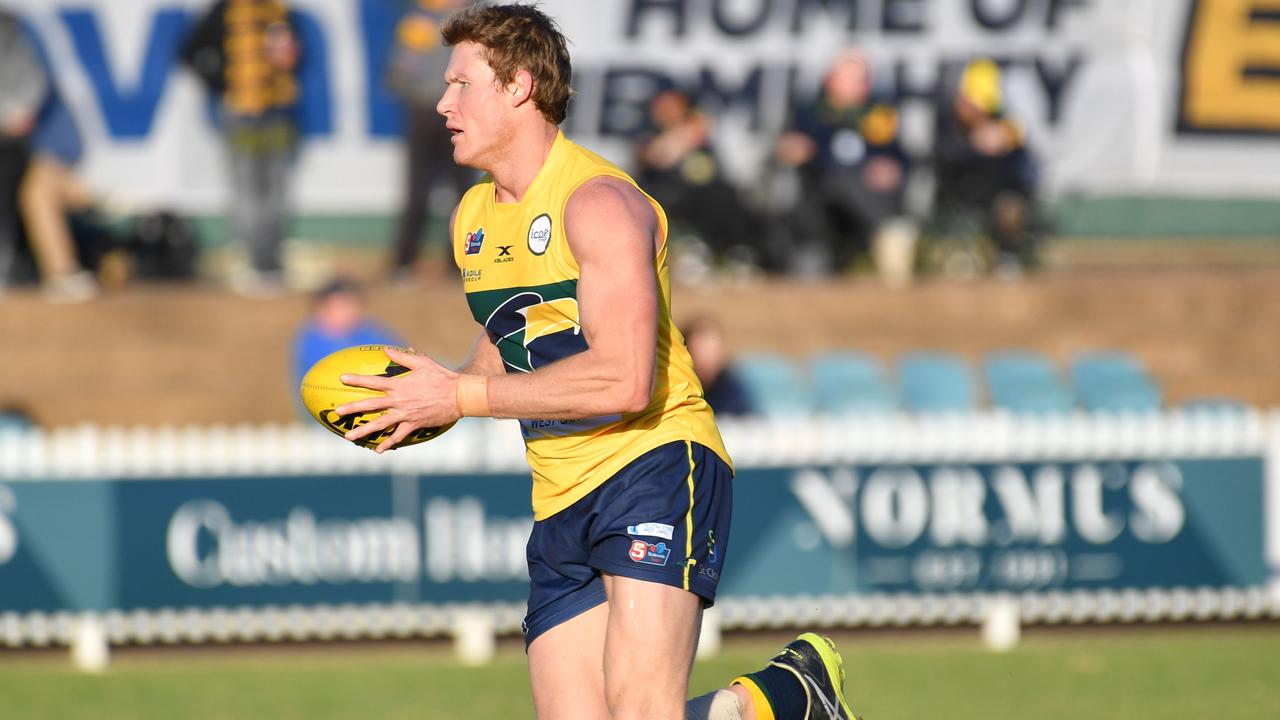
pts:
[427, 397]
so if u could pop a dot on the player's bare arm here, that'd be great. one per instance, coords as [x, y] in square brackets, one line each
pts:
[484, 358]
[612, 231]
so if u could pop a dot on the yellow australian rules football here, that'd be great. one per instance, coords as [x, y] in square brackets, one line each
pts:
[322, 392]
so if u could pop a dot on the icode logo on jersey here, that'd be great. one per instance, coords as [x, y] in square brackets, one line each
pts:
[643, 552]
[540, 234]
[474, 241]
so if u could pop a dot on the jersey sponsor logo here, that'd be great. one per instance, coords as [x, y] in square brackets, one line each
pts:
[648, 553]
[504, 254]
[471, 275]
[532, 429]
[474, 241]
[652, 530]
[540, 234]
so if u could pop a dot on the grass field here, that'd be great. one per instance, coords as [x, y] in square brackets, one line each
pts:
[1220, 673]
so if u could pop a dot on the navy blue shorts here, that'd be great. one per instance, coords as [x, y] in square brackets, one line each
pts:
[662, 518]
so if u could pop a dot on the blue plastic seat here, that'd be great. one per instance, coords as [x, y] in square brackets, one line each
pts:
[850, 383]
[14, 422]
[1114, 381]
[936, 382]
[1214, 405]
[1026, 382]
[775, 384]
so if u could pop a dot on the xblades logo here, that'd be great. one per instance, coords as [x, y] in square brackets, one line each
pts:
[504, 254]
[504, 250]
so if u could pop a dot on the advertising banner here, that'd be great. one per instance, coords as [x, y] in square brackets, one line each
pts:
[999, 527]
[1125, 96]
[797, 530]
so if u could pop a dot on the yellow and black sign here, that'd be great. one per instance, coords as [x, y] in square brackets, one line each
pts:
[1231, 67]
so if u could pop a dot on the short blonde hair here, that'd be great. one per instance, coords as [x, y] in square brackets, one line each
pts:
[515, 38]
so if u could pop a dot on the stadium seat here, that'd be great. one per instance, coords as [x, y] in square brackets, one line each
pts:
[775, 384]
[1025, 382]
[936, 382]
[1114, 381]
[11, 422]
[848, 383]
[1214, 405]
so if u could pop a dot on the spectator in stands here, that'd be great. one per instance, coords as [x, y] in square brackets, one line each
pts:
[338, 319]
[852, 168]
[416, 75]
[984, 169]
[49, 194]
[22, 89]
[39, 147]
[678, 164]
[724, 392]
[246, 52]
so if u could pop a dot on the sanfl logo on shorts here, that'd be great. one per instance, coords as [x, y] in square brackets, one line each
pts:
[649, 554]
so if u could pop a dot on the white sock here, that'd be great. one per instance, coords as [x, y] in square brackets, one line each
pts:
[718, 705]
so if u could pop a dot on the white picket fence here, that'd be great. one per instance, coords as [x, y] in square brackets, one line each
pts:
[87, 452]
[479, 446]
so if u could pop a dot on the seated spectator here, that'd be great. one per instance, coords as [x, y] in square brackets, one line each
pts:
[39, 146]
[984, 169]
[724, 392]
[679, 166]
[338, 320]
[852, 168]
[50, 194]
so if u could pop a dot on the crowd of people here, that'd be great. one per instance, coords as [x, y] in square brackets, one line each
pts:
[841, 153]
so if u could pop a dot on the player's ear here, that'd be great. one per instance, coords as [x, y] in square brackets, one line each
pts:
[520, 88]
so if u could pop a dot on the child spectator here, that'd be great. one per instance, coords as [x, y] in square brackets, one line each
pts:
[338, 319]
[723, 391]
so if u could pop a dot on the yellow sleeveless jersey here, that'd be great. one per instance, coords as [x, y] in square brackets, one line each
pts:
[521, 281]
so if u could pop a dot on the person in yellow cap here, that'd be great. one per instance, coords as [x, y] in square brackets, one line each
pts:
[984, 169]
